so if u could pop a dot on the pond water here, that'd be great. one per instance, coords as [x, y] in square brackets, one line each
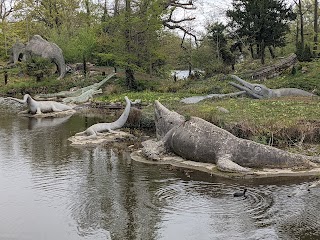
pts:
[51, 190]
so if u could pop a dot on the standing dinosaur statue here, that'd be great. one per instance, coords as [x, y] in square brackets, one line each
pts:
[37, 46]
[38, 107]
[261, 91]
[99, 128]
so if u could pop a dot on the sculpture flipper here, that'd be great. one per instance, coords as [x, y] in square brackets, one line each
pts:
[225, 164]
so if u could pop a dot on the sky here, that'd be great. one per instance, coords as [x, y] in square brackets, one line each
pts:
[207, 11]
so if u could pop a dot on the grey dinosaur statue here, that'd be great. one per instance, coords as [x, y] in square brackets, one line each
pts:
[17, 53]
[84, 97]
[39, 47]
[74, 94]
[201, 141]
[38, 107]
[99, 128]
[261, 91]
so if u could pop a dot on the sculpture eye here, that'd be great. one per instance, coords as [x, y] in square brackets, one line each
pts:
[257, 88]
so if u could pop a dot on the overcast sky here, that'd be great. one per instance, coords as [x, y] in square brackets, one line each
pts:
[209, 11]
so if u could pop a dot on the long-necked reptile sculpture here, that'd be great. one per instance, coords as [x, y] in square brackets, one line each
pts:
[201, 141]
[99, 128]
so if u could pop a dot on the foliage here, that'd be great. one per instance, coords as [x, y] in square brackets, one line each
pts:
[263, 23]
[38, 67]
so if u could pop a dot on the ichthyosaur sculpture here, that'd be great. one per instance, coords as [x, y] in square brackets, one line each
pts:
[99, 128]
[261, 91]
[38, 107]
[201, 141]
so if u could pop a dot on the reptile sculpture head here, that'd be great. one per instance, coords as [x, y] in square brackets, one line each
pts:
[260, 91]
[253, 90]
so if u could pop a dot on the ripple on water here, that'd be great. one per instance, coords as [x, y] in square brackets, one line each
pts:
[215, 198]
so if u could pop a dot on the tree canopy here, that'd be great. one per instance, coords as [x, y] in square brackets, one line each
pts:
[261, 22]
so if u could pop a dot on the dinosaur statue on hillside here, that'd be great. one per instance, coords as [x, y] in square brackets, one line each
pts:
[99, 128]
[37, 46]
[71, 96]
[201, 141]
[261, 91]
[39, 107]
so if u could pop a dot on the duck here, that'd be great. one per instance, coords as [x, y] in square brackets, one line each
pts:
[240, 194]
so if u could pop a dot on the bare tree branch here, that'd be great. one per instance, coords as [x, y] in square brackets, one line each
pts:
[172, 23]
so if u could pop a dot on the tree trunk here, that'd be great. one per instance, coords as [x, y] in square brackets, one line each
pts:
[297, 33]
[130, 79]
[271, 52]
[84, 65]
[116, 8]
[251, 51]
[315, 28]
[301, 22]
[262, 52]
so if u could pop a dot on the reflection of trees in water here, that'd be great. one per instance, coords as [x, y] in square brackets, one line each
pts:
[113, 195]
[303, 222]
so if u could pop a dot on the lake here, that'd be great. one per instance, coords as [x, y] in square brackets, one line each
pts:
[51, 190]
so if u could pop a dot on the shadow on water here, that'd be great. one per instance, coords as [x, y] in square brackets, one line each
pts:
[50, 190]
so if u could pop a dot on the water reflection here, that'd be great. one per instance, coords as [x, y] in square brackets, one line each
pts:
[50, 190]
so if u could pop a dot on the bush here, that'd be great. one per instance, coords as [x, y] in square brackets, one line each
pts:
[38, 67]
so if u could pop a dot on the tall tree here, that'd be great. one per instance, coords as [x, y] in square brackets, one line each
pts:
[262, 22]
[7, 7]
[315, 27]
[134, 33]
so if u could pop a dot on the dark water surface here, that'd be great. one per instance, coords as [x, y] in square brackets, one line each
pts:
[50, 190]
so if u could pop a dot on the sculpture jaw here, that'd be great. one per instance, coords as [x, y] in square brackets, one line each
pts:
[250, 88]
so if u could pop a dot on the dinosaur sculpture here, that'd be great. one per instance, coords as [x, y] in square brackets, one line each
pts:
[72, 95]
[84, 97]
[201, 141]
[261, 91]
[39, 47]
[38, 107]
[17, 53]
[99, 128]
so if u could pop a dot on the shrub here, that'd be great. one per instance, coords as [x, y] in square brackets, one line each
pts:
[38, 67]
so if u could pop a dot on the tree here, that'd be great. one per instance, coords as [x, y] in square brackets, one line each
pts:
[217, 37]
[263, 23]
[134, 33]
[315, 27]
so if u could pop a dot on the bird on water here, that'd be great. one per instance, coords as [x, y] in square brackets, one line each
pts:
[240, 194]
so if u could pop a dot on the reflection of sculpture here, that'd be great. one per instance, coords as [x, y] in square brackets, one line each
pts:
[38, 107]
[47, 122]
[71, 96]
[98, 128]
[201, 141]
[39, 47]
[261, 91]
